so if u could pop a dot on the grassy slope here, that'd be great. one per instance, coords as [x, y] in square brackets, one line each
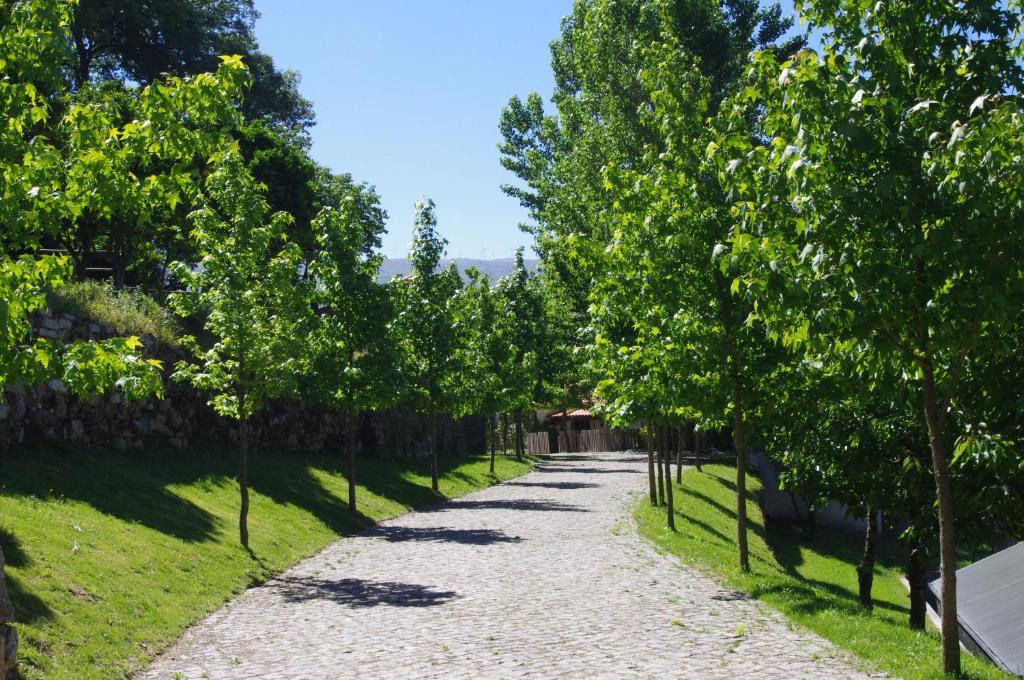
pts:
[110, 558]
[814, 585]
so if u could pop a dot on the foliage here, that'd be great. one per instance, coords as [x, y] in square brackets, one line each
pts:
[112, 557]
[249, 289]
[424, 321]
[31, 34]
[878, 196]
[141, 42]
[424, 326]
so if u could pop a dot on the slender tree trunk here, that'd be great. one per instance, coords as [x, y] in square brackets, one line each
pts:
[741, 474]
[83, 72]
[659, 460]
[947, 524]
[680, 445]
[669, 504]
[698, 445]
[866, 568]
[916, 577]
[243, 480]
[8, 636]
[433, 452]
[504, 434]
[810, 524]
[519, 434]
[494, 426]
[350, 446]
[565, 429]
[650, 467]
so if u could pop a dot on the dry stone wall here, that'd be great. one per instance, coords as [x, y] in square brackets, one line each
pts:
[37, 415]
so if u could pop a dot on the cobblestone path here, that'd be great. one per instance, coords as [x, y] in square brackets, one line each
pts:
[544, 576]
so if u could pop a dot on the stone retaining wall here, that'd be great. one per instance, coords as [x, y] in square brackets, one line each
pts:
[34, 416]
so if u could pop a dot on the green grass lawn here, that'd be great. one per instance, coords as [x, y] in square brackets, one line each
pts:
[111, 557]
[813, 584]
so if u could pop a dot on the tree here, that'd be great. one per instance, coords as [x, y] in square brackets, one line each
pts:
[351, 355]
[256, 307]
[522, 309]
[32, 33]
[485, 354]
[141, 42]
[884, 184]
[425, 323]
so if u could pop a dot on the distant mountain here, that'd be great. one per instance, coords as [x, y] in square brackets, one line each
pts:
[493, 268]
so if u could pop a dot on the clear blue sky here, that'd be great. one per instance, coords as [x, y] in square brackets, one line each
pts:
[408, 95]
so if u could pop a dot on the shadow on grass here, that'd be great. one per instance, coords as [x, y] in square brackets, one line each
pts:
[359, 593]
[786, 542]
[130, 487]
[443, 535]
[28, 607]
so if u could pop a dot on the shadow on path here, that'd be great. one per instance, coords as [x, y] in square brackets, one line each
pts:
[526, 504]
[555, 485]
[442, 535]
[359, 593]
[588, 470]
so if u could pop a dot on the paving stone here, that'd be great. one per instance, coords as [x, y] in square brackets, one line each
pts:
[541, 577]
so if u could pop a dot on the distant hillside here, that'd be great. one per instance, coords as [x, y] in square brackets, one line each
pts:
[493, 268]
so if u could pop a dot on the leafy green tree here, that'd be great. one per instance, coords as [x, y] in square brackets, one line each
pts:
[522, 309]
[884, 187]
[32, 34]
[424, 324]
[352, 355]
[140, 42]
[597, 62]
[130, 157]
[256, 307]
[484, 352]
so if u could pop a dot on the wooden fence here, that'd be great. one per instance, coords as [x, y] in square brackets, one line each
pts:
[538, 443]
[582, 441]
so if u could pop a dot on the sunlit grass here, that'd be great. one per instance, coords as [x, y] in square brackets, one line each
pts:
[111, 557]
[813, 584]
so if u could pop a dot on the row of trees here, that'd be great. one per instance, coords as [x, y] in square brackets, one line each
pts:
[287, 308]
[819, 249]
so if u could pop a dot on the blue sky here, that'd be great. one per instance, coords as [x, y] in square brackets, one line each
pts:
[408, 95]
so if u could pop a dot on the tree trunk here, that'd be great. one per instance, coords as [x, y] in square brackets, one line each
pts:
[243, 480]
[947, 521]
[8, 636]
[504, 434]
[565, 428]
[810, 524]
[741, 474]
[680, 445]
[669, 505]
[519, 434]
[83, 72]
[650, 467]
[698, 444]
[917, 579]
[350, 446]
[494, 431]
[433, 452]
[866, 568]
[659, 459]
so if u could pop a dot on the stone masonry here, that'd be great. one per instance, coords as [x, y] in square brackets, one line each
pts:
[541, 577]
